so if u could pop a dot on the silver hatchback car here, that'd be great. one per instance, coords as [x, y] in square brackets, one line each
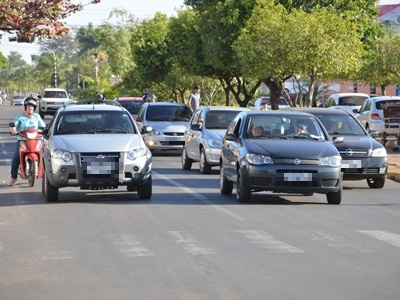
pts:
[203, 136]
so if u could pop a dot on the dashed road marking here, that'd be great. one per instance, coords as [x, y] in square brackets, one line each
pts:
[190, 244]
[387, 237]
[129, 246]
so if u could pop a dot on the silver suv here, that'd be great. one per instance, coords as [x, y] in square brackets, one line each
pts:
[203, 136]
[95, 145]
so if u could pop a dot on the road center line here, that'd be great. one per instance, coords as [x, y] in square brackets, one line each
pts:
[201, 197]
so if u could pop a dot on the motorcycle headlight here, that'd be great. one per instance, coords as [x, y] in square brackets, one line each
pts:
[257, 159]
[61, 154]
[333, 161]
[135, 153]
[379, 152]
[214, 143]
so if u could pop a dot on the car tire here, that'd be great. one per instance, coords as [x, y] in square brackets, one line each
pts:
[334, 197]
[50, 192]
[243, 192]
[205, 167]
[225, 185]
[376, 183]
[186, 161]
[144, 191]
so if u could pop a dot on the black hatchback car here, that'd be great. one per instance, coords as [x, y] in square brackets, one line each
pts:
[363, 157]
[279, 151]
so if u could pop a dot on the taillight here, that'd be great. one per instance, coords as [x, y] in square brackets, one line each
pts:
[375, 116]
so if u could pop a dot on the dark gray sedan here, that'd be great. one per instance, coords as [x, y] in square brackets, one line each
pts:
[363, 157]
[280, 151]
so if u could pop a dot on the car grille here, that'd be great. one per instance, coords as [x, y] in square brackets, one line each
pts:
[101, 166]
[174, 133]
[290, 161]
[354, 153]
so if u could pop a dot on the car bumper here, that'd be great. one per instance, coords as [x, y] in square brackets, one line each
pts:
[160, 142]
[213, 155]
[377, 125]
[299, 179]
[362, 168]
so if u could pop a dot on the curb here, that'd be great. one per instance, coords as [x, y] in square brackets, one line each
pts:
[393, 176]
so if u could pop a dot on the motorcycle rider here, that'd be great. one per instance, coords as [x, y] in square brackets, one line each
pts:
[149, 97]
[27, 120]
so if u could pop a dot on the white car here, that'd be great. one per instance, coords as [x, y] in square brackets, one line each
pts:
[17, 100]
[51, 100]
[346, 101]
[370, 114]
[282, 103]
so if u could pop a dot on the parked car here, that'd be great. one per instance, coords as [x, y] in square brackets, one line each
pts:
[203, 136]
[17, 99]
[132, 104]
[290, 152]
[370, 114]
[346, 101]
[95, 145]
[50, 100]
[282, 103]
[163, 124]
[362, 156]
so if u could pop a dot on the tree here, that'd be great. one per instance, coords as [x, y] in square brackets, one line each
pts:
[382, 66]
[37, 19]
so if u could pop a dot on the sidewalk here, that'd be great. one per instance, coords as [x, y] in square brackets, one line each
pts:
[393, 164]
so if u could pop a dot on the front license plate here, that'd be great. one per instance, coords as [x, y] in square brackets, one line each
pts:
[174, 138]
[97, 168]
[351, 164]
[297, 176]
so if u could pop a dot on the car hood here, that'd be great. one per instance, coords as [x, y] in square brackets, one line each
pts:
[217, 134]
[98, 142]
[356, 142]
[168, 126]
[305, 149]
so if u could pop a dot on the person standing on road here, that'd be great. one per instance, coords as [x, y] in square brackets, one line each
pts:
[27, 120]
[194, 99]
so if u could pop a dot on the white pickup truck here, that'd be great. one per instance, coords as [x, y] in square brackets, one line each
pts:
[51, 100]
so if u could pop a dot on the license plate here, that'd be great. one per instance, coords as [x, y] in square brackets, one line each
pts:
[99, 168]
[297, 176]
[351, 164]
[174, 138]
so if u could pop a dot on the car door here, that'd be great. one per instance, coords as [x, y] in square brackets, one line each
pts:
[364, 112]
[230, 151]
[193, 135]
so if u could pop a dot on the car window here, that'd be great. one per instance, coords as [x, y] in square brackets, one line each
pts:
[351, 100]
[197, 117]
[168, 113]
[131, 106]
[55, 94]
[219, 119]
[94, 122]
[343, 124]
[389, 103]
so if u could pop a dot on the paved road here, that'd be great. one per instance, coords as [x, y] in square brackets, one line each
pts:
[190, 242]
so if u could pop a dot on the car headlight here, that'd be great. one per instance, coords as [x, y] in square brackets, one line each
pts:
[135, 153]
[257, 159]
[333, 161]
[379, 152]
[154, 132]
[61, 154]
[214, 143]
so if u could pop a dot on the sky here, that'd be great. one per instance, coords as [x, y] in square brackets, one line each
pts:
[99, 13]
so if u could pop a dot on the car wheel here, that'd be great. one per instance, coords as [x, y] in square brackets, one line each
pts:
[186, 161]
[376, 183]
[243, 192]
[50, 192]
[225, 185]
[205, 167]
[334, 197]
[144, 191]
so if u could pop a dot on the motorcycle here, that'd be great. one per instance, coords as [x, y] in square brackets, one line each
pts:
[30, 166]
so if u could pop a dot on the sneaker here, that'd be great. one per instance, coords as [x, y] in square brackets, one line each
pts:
[12, 182]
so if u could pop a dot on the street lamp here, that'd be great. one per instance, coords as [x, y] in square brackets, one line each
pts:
[54, 75]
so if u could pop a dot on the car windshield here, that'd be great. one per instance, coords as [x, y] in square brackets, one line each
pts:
[219, 119]
[352, 100]
[284, 126]
[131, 106]
[168, 113]
[387, 103]
[54, 94]
[343, 124]
[94, 122]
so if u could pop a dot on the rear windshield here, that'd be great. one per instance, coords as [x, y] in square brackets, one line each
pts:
[352, 100]
[219, 119]
[387, 103]
[132, 106]
[55, 94]
[168, 113]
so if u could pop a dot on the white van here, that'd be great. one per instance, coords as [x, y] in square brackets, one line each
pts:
[51, 100]
[346, 101]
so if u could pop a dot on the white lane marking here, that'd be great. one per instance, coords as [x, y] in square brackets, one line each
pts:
[201, 197]
[190, 244]
[53, 252]
[267, 241]
[129, 245]
[387, 237]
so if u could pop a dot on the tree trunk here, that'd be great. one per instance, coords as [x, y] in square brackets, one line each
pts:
[383, 89]
[275, 90]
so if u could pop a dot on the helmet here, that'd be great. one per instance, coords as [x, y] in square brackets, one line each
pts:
[30, 101]
[149, 97]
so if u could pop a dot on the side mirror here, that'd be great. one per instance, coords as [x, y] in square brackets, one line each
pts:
[374, 133]
[147, 129]
[230, 137]
[39, 96]
[11, 124]
[356, 111]
[195, 127]
[338, 140]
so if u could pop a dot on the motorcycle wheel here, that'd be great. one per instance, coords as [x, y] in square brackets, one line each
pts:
[32, 173]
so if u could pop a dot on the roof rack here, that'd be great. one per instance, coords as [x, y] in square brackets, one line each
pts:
[91, 102]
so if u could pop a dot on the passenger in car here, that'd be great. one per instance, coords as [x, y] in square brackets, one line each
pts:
[257, 131]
